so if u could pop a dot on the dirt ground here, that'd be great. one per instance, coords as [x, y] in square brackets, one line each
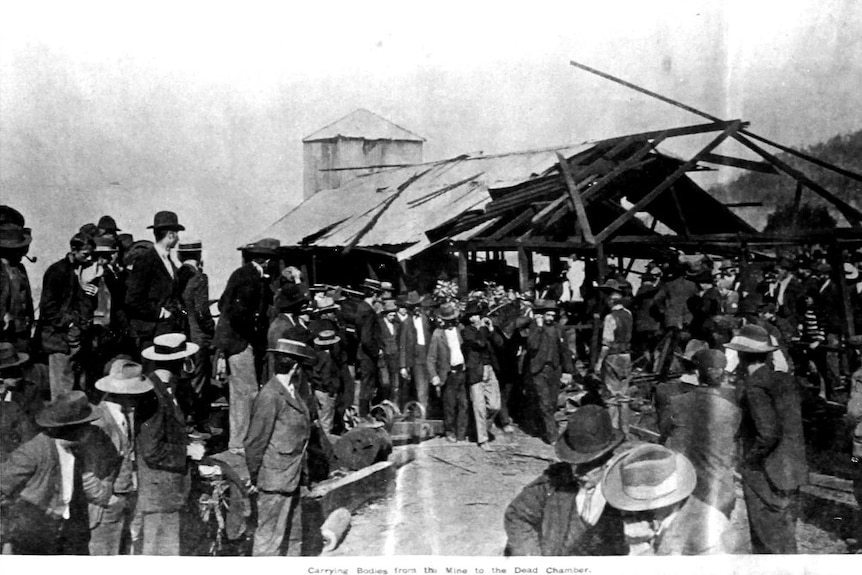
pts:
[451, 499]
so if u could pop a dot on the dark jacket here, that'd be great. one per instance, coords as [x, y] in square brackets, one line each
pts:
[326, 374]
[480, 347]
[277, 438]
[389, 340]
[195, 289]
[163, 471]
[18, 418]
[644, 319]
[543, 520]
[408, 350]
[671, 302]
[367, 330]
[61, 307]
[151, 288]
[243, 312]
[772, 444]
[16, 299]
[439, 357]
[547, 346]
[665, 393]
[793, 296]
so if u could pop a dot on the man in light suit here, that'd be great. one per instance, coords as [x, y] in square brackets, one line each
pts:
[447, 369]
[274, 452]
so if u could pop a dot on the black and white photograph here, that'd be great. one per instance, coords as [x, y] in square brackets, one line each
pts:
[422, 288]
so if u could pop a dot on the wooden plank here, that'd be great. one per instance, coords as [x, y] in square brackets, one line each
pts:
[547, 210]
[685, 229]
[575, 196]
[514, 223]
[808, 157]
[753, 166]
[680, 172]
[623, 167]
[853, 215]
[462, 272]
[355, 489]
[524, 265]
[690, 130]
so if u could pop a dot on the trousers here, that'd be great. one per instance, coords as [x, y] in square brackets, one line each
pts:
[162, 534]
[243, 390]
[455, 404]
[325, 409]
[771, 516]
[279, 525]
[106, 538]
[485, 396]
[546, 385]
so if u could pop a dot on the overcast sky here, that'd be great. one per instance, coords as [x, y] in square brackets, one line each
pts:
[200, 107]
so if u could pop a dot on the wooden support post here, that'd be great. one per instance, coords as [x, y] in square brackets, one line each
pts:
[524, 265]
[402, 284]
[575, 195]
[837, 262]
[313, 268]
[685, 230]
[595, 341]
[462, 272]
[797, 202]
[680, 172]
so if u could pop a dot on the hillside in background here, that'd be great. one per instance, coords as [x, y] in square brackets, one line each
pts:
[777, 190]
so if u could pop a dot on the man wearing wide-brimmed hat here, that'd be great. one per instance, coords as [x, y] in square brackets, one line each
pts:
[413, 349]
[123, 386]
[275, 448]
[652, 486]
[163, 447]
[241, 331]
[16, 299]
[564, 512]
[368, 352]
[153, 300]
[20, 401]
[615, 358]
[290, 319]
[549, 360]
[773, 464]
[45, 486]
[65, 314]
[446, 366]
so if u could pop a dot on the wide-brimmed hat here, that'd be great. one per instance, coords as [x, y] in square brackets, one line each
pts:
[823, 268]
[169, 347]
[67, 409]
[13, 236]
[325, 304]
[386, 286]
[389, 305]
[9, 215]
[588, 435]
[447, 311]
[108, 224]
[290, 299]
[166, 220]
[785, 263]
[125, 378]
[751, 339]
[292, 348]
[263, 247]
[327, 337]
[105, 245]
[474, 307]
[613, 285]
[543, 305]
[372, 285]
[692, 347]
[648, 477]
[336, 294]
[190, 246]
[10, 357]
[413, 299]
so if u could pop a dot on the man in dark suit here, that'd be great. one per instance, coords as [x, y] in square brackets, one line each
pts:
[390, 334]
[153, 299]
[274, 452]
[549, 360]
[241, 332]
[773, 463]
[368, 332]
[163, 448]
[63, 314]
[446, 367]
[413, 349]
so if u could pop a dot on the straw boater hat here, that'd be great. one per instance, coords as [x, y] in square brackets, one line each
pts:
[170, 347]
[327, 337]
[125, 378]
[10, 357]
[190, 246]
[67, 410]
[325, 304]
[447, 311]
[751, 339]
[850, 272]
[372, 285]
[588, 435]
[292, 348]
[166, 221]
[648, 477]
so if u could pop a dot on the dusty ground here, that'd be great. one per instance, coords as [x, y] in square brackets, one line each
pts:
[450, 501]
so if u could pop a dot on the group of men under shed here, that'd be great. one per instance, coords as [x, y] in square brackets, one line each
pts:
[133, 359]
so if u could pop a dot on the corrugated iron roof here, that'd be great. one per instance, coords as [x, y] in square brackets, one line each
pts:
[366, 125]
[437, 192]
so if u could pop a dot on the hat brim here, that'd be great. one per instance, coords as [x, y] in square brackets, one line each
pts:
[750, 349]
[569, 455]
[169, 227]
[544, 309]
[151, 354]
[448, 316]
[104, 250]
[26, 241]
[258, 251]
[332, 341]
[41, 421]
[612, 487]
[292, 354]
[22, 358]
[125, 386]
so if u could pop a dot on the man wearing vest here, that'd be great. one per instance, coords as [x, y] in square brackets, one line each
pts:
[615, 360]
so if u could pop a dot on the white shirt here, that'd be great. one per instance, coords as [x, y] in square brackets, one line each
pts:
[455, 356]
[117, 413]
[420, 332]
[258, 267]
[782, 286]
[67, 476]
[165, 255]
[285, 380]
[596, 499]
[389, 326]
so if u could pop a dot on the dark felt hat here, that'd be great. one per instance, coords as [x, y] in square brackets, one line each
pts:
[413, 299]
[10, 357]
[108, 224]
[264, 247]
[166, 220]
[588, 435]
[290, 299]
[66, 410]
[13, 236]
[474, 307]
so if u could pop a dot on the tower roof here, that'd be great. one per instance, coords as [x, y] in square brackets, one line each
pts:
[365, 125]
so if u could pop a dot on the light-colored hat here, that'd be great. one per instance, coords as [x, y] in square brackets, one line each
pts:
[169, 347]
[125, 378]
[327, 337]
[293, 348]
[751, 339]
[850, 272]
[648, 477]
[325, 304]
[190, 246]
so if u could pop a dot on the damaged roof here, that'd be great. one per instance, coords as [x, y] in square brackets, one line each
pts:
[365, 125]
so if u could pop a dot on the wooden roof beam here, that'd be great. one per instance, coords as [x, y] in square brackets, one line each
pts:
[719, 159]
[575, 196]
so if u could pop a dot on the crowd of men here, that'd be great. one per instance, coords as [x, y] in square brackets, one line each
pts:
[109, 396]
